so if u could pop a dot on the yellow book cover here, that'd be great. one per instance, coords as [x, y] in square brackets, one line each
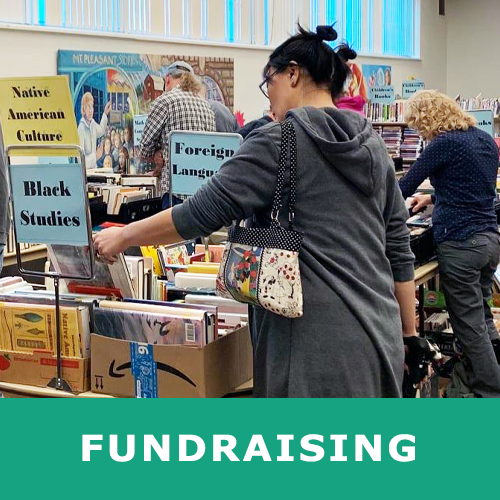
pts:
[32, 327]
[204, 268]
[70, 332]
[152, 252]
[5, 331]
[28, 326]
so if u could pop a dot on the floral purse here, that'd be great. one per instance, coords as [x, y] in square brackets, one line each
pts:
[260, 266]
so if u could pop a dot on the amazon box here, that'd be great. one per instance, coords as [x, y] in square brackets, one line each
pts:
[128, 369]
[39, 368]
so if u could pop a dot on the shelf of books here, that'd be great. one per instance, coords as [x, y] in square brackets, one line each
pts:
[29, 252]
[401, 141]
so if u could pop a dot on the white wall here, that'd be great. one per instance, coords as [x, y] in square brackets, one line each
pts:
[34, 53]
[473, 28]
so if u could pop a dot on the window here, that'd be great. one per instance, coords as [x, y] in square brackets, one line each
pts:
[398, 18]
[372, 27]
[375, 27]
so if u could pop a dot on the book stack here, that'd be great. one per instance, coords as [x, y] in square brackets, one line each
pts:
[157, 323]
[29, 327]
[437, 322]
[411, 146]
[13, 283]
[148, 183]
[393, 137]
[111, 280]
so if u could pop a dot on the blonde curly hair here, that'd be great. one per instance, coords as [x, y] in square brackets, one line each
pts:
[431, 113]
[190, 83]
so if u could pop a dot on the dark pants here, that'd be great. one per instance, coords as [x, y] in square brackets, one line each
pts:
[466, 269]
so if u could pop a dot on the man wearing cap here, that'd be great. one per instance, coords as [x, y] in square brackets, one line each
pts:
[179, 108]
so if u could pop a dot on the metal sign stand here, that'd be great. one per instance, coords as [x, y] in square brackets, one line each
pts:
[205, 239]
[58, 381]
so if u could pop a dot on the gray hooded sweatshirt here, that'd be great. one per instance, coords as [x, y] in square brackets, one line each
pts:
[356, 244]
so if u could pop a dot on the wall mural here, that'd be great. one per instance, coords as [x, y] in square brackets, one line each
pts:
[112, 92]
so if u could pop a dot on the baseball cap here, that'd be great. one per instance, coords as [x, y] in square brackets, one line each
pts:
[179, 66]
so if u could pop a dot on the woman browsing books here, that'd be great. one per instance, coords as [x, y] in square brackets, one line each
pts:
[355, 262]
[462, 164]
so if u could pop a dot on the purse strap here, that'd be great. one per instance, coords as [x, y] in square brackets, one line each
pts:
[288, 145]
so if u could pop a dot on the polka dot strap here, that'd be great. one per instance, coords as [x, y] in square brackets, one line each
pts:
[288, 150]
[272, 237]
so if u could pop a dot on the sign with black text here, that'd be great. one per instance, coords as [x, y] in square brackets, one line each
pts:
[195, 157]
[383, 94]
[485, 120]
[412, 86]
[49, 204]
[37, 112]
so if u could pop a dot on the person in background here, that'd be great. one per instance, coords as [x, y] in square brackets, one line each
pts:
[107, 150]
[117, 146]
[4, 204]
[256, 124]
[123, 159]
[107, 162]
[225, 121]
[462, 164]
[354, 96]
[128, 141]
[89, 131]
[356, 264]
[179, 108]
[387, 77]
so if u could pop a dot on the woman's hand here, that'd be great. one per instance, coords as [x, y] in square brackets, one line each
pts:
[109, 243]
[420, 201]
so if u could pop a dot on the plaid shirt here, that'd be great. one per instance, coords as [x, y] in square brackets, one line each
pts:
[174, 110]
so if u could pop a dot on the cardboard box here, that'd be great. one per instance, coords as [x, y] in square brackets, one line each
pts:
[39, 369]
[127, 369]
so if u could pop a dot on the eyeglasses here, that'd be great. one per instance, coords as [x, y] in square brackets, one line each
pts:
[266, 82]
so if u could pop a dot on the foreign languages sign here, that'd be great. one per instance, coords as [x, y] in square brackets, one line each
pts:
[49, 204]
[485, 120]
[383, 94]
[412, 86]
[195, 157]
[37, 112]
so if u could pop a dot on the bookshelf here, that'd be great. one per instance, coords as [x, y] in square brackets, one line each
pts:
[401, 141]
[36, 252]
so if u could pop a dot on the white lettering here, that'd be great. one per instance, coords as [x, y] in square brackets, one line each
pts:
[87, 447]
[374, 451]
[318, 451]
[200, 448]
[227, 449]
[339, 448]
[113, 448]
[408, 450]
[162, 451]
[257, 441]
[285, 448]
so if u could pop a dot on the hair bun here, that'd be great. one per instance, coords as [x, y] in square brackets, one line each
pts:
[346, 53]
[326, 33]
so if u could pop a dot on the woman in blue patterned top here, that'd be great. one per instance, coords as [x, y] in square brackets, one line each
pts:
[462, 164]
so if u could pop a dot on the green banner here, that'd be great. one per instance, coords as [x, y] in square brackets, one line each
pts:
[248, 449]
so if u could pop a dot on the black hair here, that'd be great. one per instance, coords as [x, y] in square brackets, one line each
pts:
[325, 65]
